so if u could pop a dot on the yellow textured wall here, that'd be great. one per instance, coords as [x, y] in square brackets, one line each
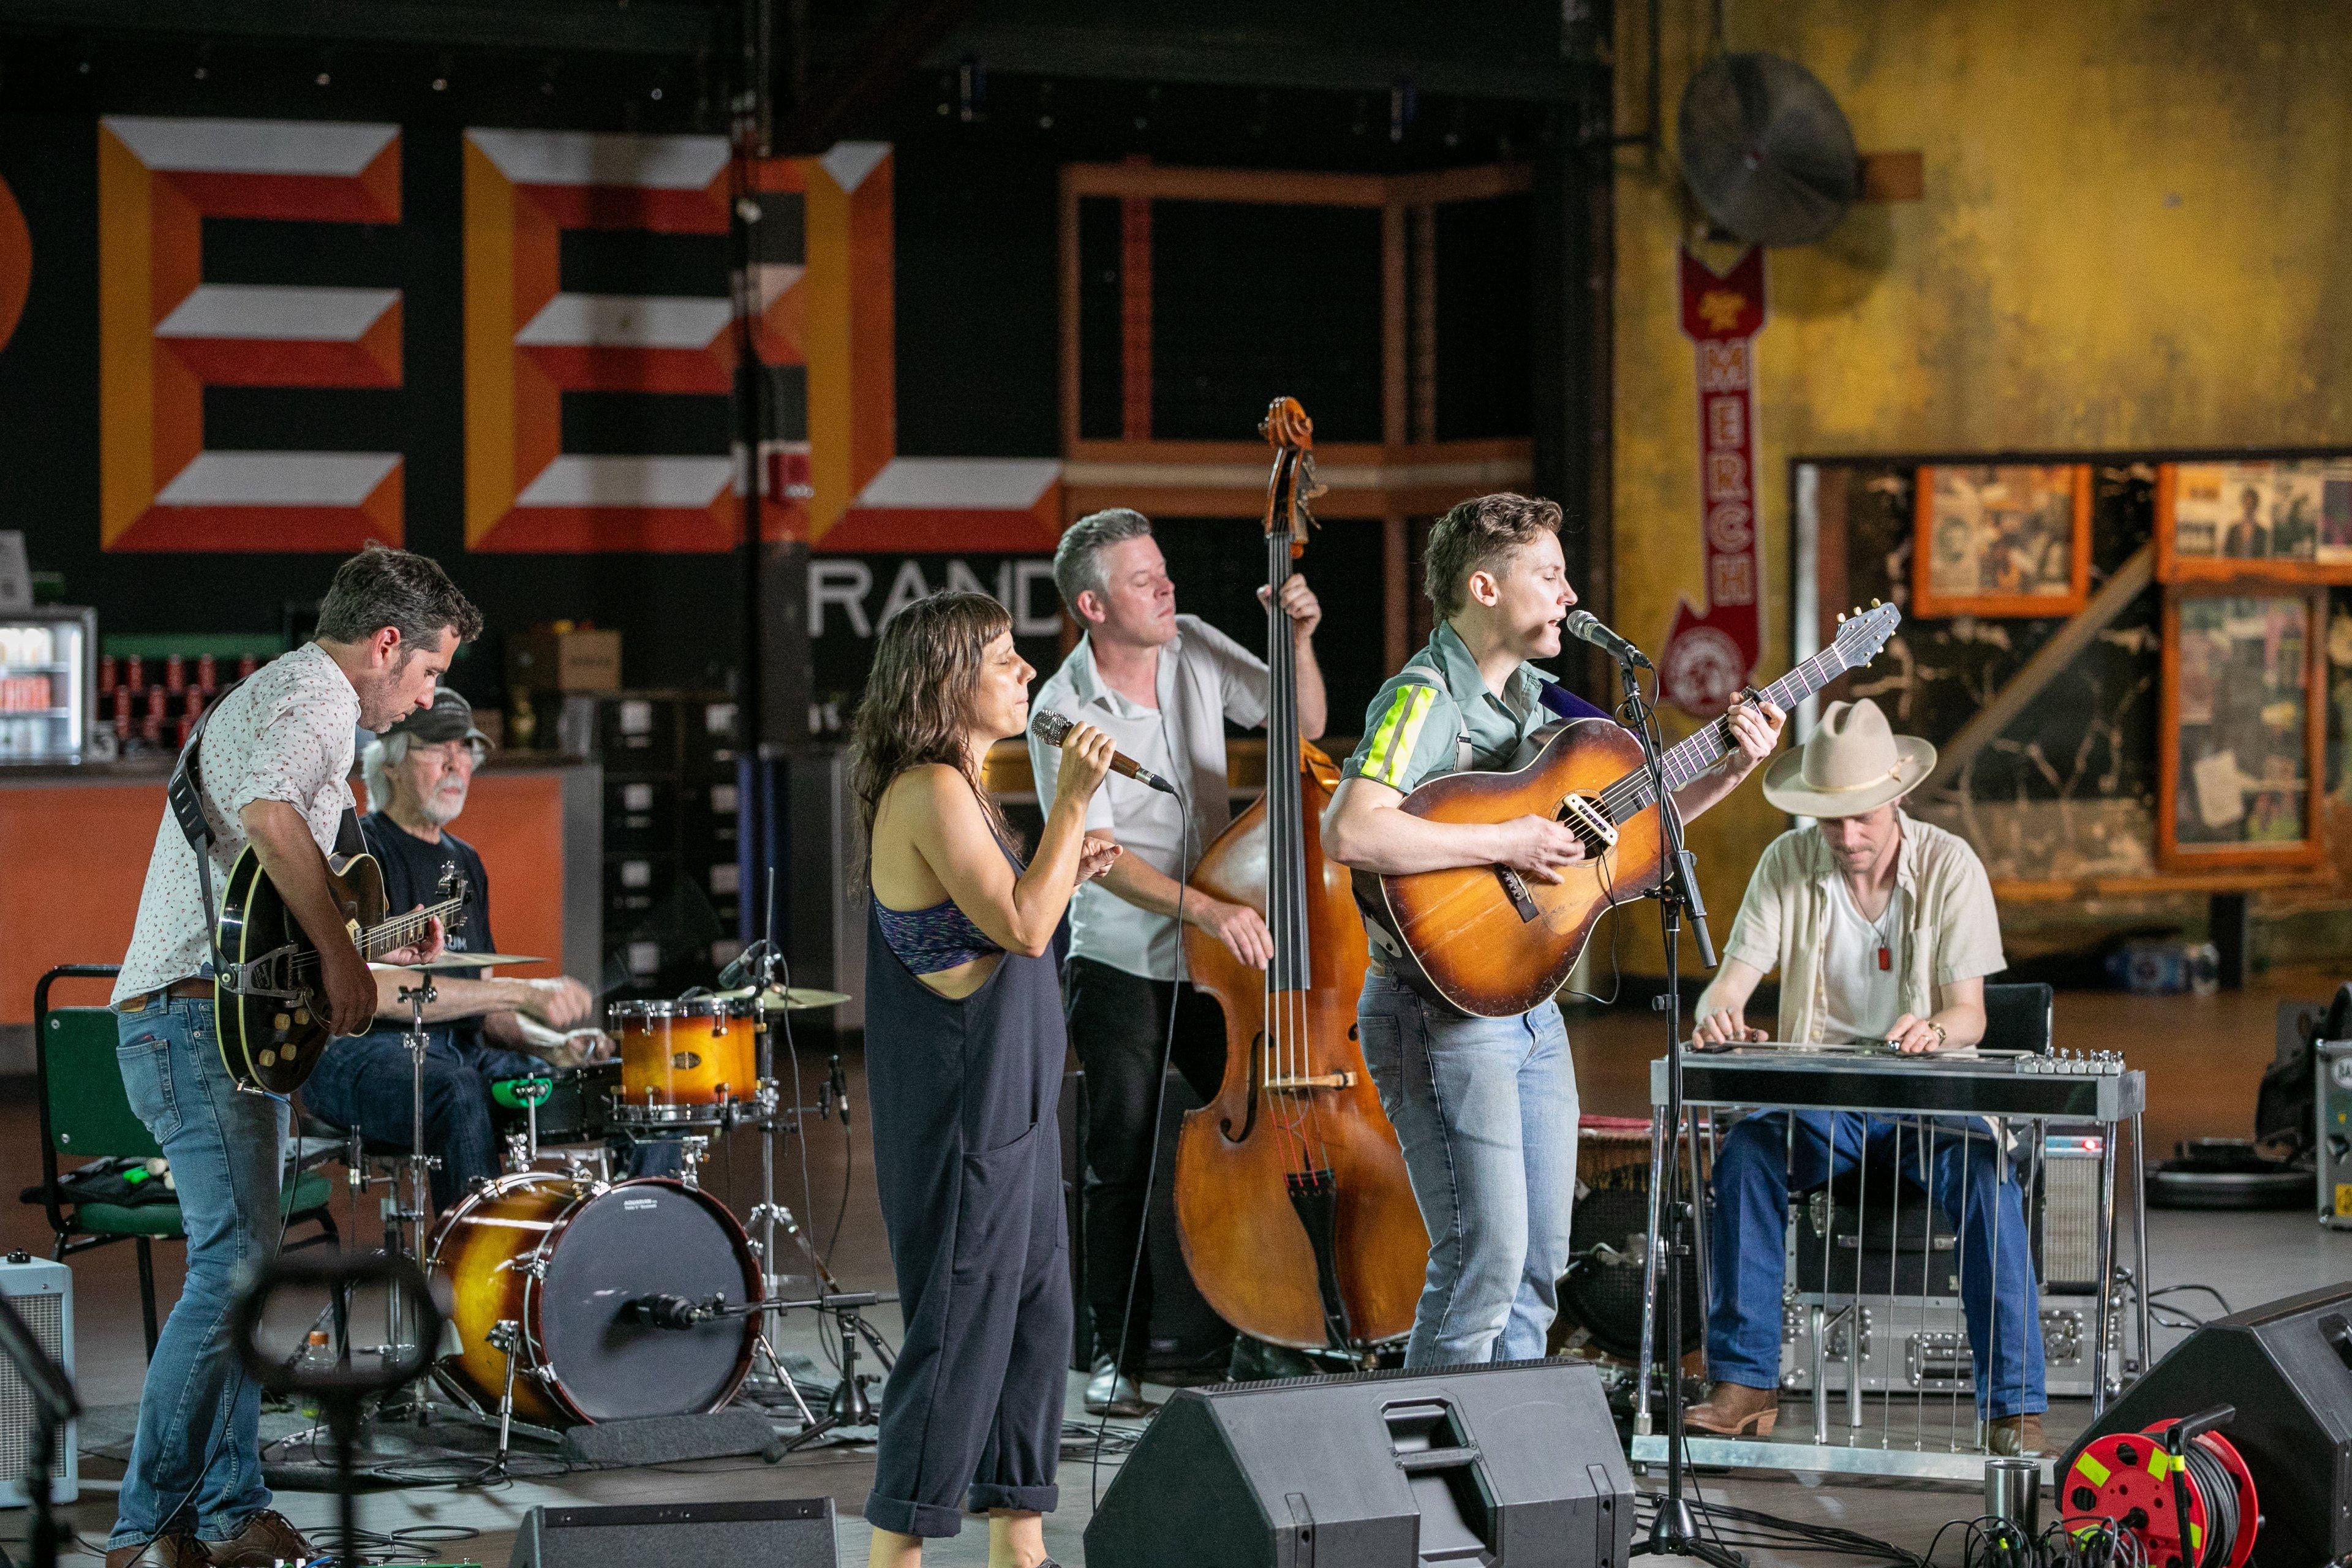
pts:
[2137, 234]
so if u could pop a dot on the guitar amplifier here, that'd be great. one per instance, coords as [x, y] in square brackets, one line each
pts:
[42, 1293]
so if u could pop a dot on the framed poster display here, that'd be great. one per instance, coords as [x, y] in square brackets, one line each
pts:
[2278, 519]
[2240, 734]
[2005, 540]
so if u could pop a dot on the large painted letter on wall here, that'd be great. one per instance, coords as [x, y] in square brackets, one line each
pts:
[164, 335]
[528, 342]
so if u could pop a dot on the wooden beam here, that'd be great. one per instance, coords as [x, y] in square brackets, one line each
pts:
[1297, 188]
[1393, 375]
[1135, 318]
[1424, 323]
[1069, 315]
[1396, 594]
[2053, 656]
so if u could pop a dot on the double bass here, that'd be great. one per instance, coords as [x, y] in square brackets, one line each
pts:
[1292, 1203]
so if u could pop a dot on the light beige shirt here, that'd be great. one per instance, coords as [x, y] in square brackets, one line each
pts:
[1950, 930]
[1205, 679]
[285, 734]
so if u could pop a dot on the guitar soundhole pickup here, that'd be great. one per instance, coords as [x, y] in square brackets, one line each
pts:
[1589, 822]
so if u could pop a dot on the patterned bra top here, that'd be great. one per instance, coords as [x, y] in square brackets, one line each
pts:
[927, 941]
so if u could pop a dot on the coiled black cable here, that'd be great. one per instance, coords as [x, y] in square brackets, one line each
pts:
[2212, 1482]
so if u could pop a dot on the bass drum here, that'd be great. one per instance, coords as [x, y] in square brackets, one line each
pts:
[562, 1259]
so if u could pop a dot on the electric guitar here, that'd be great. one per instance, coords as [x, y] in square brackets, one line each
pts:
[1494, 943]
[269, 998]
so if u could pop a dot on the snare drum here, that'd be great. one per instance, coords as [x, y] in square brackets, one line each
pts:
[688, 1061]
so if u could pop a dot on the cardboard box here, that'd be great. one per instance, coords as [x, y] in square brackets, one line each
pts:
[584, 660]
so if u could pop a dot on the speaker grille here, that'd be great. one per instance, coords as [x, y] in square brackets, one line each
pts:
[2070, 1222]
[45, 1315]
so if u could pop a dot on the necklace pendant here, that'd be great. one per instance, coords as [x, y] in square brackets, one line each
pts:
[1885, 958]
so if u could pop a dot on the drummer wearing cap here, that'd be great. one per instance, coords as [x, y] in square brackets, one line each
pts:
[478, 1030]
[1883, 928]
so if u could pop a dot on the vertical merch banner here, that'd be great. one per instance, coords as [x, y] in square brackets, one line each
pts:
[165, 334]
[1710, 658]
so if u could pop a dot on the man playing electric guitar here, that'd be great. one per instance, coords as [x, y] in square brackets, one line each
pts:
[275, 758]
[1485, 1108]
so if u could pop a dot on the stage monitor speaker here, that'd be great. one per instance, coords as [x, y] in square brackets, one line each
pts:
[788, 1532]
[2286, 1367]
[1511, 1465]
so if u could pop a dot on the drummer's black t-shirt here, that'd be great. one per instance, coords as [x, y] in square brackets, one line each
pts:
[412, 875]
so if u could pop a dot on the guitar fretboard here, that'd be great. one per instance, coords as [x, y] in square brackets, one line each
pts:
[402, 930]
[1630, 795]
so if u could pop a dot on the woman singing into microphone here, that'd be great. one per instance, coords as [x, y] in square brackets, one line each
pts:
[963, 1058]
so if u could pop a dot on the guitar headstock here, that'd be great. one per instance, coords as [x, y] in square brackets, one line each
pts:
[1862, 633]
[1292, 484]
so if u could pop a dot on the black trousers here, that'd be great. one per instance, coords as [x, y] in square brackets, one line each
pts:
[1117, 1023]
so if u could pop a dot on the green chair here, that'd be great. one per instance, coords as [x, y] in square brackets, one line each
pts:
[86, 1115]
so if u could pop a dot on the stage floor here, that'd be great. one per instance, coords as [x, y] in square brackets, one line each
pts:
[2203, 1056]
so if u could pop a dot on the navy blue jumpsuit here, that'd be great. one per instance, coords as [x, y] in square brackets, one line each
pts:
[969, 1164]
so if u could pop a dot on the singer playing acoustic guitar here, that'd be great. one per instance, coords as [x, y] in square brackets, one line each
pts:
[1485, 1108]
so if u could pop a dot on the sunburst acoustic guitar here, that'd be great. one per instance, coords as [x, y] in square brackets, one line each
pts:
[1494, 943]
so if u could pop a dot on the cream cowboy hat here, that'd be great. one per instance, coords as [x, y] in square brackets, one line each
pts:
[1851, 763]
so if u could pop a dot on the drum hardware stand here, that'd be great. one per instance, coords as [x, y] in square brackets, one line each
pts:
[776, 1366]
[849, 1406]
[692, 1150]
[1675, 1533]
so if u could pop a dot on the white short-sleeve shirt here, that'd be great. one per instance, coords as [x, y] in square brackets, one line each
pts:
[1205, 680]
[284, 734]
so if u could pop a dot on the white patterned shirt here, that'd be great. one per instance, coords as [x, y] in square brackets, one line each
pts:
[284, 734]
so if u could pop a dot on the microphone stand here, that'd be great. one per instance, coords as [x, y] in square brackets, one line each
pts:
[1675, 1531]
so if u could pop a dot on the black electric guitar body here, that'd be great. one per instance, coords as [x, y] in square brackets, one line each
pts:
[270, 999]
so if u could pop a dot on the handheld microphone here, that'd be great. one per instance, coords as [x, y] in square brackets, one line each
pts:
[1585, 626]
[1051, 728]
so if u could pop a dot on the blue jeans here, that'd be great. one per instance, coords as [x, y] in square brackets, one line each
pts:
[1485, 1110]
[1748, 1244]
[365, 1082]
[198, 1440]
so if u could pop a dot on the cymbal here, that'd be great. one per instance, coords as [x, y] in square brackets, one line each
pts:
[471, 960]
[784, 998]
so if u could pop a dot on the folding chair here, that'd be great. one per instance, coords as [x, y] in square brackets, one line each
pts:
[86, 1115]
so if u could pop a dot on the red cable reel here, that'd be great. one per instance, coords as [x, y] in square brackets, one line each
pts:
[2144, 1483]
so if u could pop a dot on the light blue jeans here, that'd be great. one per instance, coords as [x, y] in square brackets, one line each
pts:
[199, 1441]
[1485, 1110]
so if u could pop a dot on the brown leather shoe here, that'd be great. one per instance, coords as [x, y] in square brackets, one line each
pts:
[2015, 1434]
[266, 1540]
[1734, 1410]
[164, 1551]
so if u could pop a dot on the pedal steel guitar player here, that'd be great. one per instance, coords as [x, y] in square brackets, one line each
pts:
[1883, 928]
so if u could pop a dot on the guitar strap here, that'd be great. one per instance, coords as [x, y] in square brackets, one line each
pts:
[186, 793]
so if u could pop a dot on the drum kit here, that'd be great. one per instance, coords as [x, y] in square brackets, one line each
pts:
[575, 1298]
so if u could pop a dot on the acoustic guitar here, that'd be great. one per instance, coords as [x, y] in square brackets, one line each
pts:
[1494, 943]
[269, 998]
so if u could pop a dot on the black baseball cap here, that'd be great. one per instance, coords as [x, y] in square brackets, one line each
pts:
[451, 718]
